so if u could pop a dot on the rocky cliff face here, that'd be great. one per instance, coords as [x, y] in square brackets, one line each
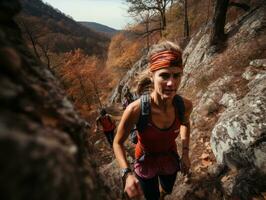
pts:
[228, 92]
[230, 101]
[42, 151]
[127, 82]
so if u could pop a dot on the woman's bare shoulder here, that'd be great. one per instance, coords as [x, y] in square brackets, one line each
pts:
[131, 113]
[188, 104]
[134, 107]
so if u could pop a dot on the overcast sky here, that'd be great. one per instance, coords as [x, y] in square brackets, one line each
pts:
[112, 13]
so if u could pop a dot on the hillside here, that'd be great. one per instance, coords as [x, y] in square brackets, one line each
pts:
[50, 26]
[71, 51]
[227, 89]
[48, 151]
[100, 28]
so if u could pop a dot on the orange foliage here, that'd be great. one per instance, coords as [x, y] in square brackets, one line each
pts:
[82, 78]
[122, 51]
[126, 48]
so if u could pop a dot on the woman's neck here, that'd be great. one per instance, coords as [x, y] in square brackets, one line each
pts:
[163, 104]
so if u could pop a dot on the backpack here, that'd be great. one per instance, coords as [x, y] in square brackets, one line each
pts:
[145, 104]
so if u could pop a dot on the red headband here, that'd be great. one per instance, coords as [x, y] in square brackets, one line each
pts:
[165, 59]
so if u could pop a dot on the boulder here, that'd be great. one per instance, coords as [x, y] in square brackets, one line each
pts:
[242, 124]
[42, 138]
[238, 141]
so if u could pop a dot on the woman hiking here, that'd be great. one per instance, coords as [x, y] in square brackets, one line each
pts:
[157, 161]
[108, 125]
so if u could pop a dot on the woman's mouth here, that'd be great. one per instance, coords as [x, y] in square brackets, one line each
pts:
[169, 91]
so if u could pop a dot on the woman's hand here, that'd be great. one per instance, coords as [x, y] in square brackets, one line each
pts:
[185, 164]
[132, 186]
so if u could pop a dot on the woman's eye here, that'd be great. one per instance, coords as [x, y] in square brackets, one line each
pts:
[176, 76]
[165, 76]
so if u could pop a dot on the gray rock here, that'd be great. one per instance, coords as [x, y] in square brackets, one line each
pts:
[211, 98]
[249, 73]
[128, 80]
[228, 99]
[257, 81]
[242, 124]
[255, 70]
[258, 63]
[42, 137]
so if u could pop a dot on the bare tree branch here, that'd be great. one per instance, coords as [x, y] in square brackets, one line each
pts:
[157, 6]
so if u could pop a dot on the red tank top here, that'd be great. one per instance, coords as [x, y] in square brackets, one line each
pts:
[156, 140]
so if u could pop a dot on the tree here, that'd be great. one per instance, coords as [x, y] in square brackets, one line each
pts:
[146, 19]
[186, 24]
[95, 84]
[217, 33]
[45, 51]
[157, 6]
[35, 33]
[218, 22]
[84, 80]
[32, 34]
[208, 11]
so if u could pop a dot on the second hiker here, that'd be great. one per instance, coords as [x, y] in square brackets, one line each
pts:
[108, 125]
[157, 161]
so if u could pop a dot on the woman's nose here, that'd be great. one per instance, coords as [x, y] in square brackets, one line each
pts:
[170, 81]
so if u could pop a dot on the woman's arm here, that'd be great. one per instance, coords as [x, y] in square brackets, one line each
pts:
[127, 122]
[185, 136]
[129, 118]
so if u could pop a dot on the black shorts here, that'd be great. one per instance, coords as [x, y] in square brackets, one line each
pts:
[150, 187]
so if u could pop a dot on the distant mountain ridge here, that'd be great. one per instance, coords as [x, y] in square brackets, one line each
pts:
[100, 28]
[62, 33]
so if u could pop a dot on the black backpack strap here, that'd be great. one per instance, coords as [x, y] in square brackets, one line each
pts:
[180, 106]
[145, 109]
[145, 104]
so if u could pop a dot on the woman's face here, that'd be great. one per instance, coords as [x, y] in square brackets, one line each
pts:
[166, 81]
